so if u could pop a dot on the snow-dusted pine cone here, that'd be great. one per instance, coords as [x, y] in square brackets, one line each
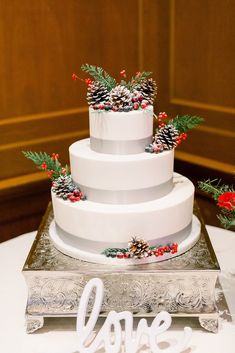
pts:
[120, 97]
[97, 93]
[63, 186]
[167, 136]
[148, 89]
[138, 248]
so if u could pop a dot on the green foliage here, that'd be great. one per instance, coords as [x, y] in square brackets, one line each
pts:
[227, 221]
[137, 79]
[52, 164]
[185, 122]
[100, 75]
[109, 251]
[214, 187]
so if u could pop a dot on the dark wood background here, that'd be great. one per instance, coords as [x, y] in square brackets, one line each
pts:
[188, 44]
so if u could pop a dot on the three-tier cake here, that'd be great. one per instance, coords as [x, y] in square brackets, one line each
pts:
[136, 209]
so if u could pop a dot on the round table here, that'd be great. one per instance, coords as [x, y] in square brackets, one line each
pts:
[59, 334]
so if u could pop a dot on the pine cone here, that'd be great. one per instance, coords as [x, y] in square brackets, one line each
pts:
[167, 136]
[138, 248]
[97, 93]
[148, 89]
[120, 97]
[63, 186]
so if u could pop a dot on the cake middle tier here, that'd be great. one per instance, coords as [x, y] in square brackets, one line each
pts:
[121, 179]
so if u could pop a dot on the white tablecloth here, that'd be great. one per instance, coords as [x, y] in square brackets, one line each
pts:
[59, 335]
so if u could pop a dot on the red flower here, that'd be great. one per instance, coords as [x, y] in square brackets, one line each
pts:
[123, 73]
[74, 76]
[227, 200]
[54, 156]
[44, 165]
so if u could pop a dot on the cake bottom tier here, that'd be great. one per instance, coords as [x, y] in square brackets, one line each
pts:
[85, 229]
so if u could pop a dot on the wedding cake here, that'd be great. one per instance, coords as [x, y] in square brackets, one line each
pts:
[123, 204]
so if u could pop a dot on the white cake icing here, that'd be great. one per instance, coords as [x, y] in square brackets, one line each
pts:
[148, 176]
[129, 192]
[114, 224]
[130, 132]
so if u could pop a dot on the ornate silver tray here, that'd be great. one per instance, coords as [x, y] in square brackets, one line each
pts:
[183, 286]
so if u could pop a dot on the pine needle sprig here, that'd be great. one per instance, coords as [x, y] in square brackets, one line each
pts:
[50, 164]
[137, 79]
[227, 220]
[214, 187]
[186, 122]
[100, 75]
[109, 251]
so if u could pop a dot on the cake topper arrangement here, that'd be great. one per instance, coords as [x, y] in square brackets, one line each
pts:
[224, 195]
[105, 93]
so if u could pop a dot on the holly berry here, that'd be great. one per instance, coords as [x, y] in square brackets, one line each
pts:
[54, 156]
[88, 82]
[44, 165]
[49, 174]
[136, 106]
[120, 255]
[123, 73]
[162, 115]
[126, 255]
[74, 76]
[143, 105]
[101, 106]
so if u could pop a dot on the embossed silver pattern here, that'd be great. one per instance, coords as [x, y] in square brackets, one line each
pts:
[184, 285]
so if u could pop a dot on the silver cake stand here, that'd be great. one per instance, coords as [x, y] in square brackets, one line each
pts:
[184, 286]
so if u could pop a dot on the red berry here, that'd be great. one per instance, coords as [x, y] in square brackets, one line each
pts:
[74, 76]
[115, 109]
[140, 97]
[126, 255]
[44, 165]
[123, 73]
[54, 156]
[143, 105]
[150, 253]
[72, 198]
[101, 106]
[134, 99]
[136, 106]
[120, 255]
[162, 115]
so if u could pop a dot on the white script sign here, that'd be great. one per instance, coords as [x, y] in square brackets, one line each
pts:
[131, 340]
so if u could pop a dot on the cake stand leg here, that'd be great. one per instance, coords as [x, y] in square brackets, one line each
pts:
[33, 323]
[209, 323]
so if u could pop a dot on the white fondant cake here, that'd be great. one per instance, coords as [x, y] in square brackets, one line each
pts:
[129, 192]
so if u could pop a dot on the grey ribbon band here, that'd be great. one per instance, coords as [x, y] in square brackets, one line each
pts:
[124, 197]
[99, 246]
[119, 147]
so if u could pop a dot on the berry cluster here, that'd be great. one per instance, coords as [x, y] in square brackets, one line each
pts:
[153, 251]
[76, 195]
[182, 137]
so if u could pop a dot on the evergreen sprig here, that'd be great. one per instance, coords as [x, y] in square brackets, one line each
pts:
[227, 221]
[186, 122]
[52, 165]
[214, 187]
[137, 79]
[100, 75]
